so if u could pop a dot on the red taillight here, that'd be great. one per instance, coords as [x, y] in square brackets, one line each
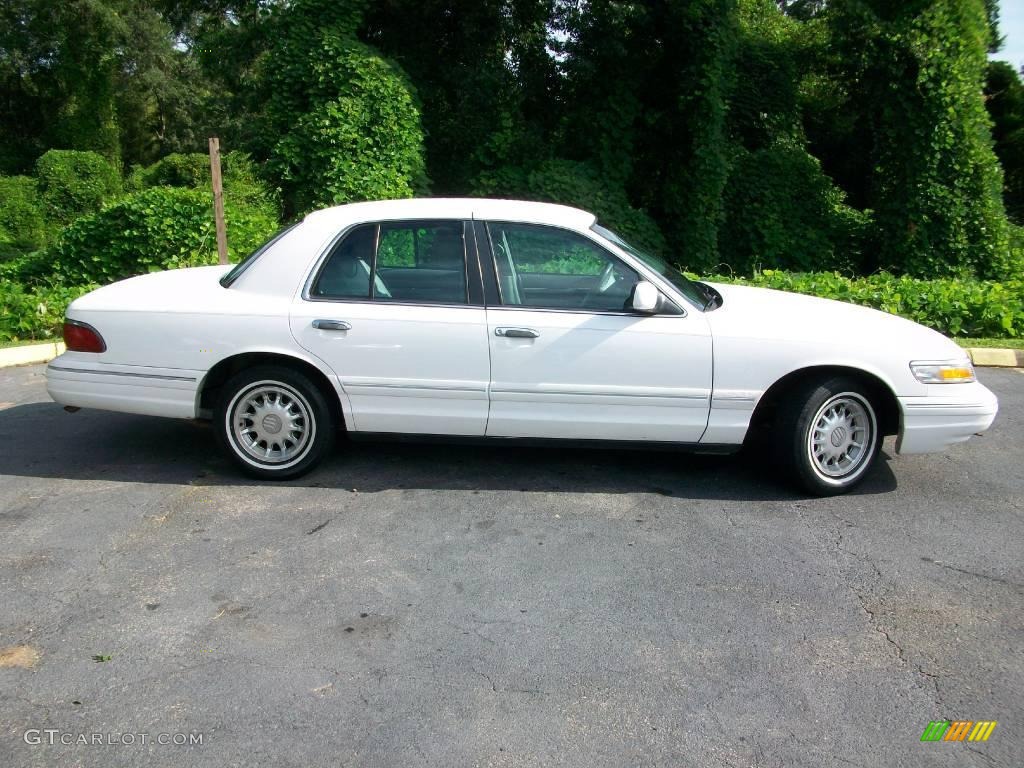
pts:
[82, 337]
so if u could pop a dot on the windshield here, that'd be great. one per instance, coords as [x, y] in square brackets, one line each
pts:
[249, 260]
[686, 286]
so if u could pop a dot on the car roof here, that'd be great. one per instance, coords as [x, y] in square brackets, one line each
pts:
[284, 264]
[456, 207]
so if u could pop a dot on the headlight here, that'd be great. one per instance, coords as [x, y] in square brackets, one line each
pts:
[958, 372]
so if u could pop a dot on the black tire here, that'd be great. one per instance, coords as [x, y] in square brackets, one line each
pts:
[827, 461]
[299, 421]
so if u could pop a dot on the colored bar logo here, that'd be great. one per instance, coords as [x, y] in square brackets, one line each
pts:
[959, 730]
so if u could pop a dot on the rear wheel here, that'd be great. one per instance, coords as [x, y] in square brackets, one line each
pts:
[274, 422]
[828, 435]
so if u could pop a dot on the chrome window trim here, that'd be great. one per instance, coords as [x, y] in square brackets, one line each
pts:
[611, 312]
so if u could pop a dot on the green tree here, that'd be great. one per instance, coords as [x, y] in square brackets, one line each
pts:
[99, 75]
[484, 77]
[914, 73]
[57, 71]
[782, 210]
[1004, 94]
[345, 120]
[646, 104]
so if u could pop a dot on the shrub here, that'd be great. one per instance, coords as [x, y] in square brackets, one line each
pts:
[174, 170]
[240, 176]
[158, 228]
[950, 306]
[36, 313]
[72, 183]
[22, 223]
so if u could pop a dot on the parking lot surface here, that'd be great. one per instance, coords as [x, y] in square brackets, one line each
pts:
[426, 605]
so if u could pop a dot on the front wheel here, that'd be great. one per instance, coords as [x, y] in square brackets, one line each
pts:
[829, 435]
[274, 422]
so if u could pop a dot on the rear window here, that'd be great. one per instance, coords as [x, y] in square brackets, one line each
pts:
[248, 261]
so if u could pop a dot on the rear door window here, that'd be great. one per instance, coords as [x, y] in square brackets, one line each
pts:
[419, 262]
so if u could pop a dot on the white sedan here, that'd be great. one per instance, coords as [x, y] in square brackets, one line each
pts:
[506, 320]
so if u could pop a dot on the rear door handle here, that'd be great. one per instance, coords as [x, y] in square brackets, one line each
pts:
[516, 333]
[332, 325]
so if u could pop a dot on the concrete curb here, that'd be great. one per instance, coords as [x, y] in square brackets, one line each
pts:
[29, 355]
[996, 358]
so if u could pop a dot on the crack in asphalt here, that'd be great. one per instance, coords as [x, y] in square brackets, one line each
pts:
[930, 679]
[997, 579]
[487, 677]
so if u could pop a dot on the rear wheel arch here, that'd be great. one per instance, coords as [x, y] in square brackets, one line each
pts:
[219, 374]
[881, 395]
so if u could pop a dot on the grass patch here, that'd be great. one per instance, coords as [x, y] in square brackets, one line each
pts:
[27, 343]
[992, 343]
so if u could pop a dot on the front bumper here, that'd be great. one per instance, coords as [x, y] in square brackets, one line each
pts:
[937, 421]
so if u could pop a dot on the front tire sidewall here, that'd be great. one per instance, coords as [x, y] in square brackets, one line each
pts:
[807, 472]
[320, 427]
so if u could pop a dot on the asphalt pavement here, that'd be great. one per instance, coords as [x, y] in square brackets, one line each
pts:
[426, 605]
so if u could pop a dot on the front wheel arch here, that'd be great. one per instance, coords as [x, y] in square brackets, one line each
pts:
[883, 399]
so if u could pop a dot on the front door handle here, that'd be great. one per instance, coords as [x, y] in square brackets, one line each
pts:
[516, 333]
[332, 325]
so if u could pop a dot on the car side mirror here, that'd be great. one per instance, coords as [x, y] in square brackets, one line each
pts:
[646, 298]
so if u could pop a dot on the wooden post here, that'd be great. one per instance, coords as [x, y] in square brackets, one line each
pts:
[218, 200]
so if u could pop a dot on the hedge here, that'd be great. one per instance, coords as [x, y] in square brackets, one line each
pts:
[158, 228]
[951, 306]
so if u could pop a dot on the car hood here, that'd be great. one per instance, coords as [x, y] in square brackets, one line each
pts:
[792, 318]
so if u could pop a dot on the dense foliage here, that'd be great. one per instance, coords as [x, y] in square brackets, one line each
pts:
[22, 222]
[915, 73]
[72, 184]
[158, 228]
[951, 306]
[729, 135]
[1004, 93]
[34, 312]
[345, 120]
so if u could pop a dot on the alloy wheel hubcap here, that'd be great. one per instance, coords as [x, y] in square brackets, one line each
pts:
[842, 436]
[271, 423]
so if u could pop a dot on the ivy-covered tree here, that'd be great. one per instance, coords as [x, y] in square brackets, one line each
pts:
[1004, 94]
[484, 77]
[646, 102]
[345, 120]
[914, 72]
[782, 210]
[95, 75]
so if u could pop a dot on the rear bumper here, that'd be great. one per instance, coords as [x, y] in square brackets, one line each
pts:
[72, 380]
[931, 424]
